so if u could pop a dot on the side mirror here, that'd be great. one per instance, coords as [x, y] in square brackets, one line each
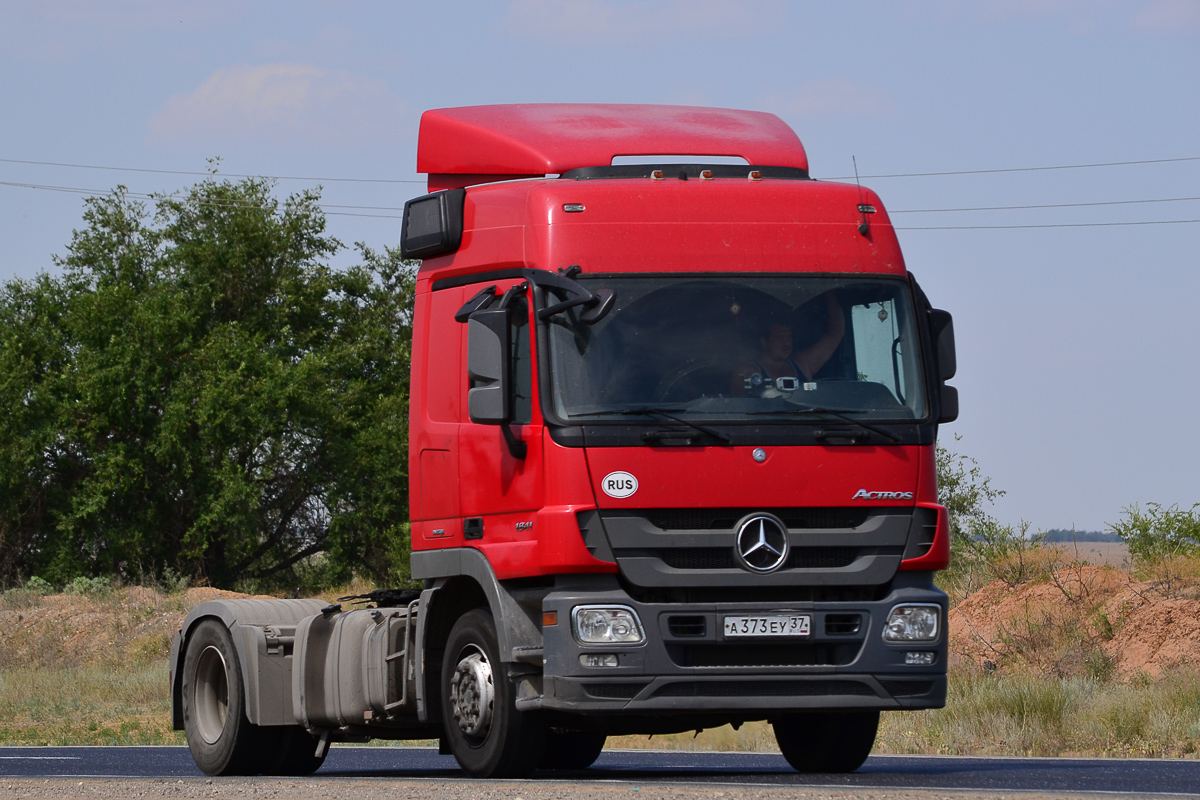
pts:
[948, 403]
[488, 366]
[941, 326]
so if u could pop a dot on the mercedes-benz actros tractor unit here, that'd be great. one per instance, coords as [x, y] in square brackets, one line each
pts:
[671, 457]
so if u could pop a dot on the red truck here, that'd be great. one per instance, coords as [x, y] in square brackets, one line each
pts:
[672, 437]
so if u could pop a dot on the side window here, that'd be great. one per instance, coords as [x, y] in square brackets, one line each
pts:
[877, 346]
[522, 364]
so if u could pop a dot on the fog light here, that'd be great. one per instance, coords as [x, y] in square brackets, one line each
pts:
[919, 659]
[598, 660]
[606, 625]
[913, 624]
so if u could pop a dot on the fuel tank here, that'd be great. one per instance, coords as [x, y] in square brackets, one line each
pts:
[354, 668]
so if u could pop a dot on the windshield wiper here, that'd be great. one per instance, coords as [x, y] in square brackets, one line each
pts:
[665, 413]
[840, 414]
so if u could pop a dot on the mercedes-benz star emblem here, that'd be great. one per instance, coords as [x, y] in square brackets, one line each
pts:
[761, 543]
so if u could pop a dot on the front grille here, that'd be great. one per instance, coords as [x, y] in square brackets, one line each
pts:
[763, 689]
[702, 519]
[821, 557]
[810, 654]
[722, 557]
[613, 691]
[842, 624]
[907, 688]
[709, 594]
[687, 626]
[697, 557]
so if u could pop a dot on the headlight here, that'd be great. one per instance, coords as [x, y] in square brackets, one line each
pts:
[606, 625]
[913, 624]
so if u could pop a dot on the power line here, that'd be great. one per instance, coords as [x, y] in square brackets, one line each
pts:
[206, 174]
[397, 180]
[326, 209]
[1046, 205]
[1023, 169]
[145, 196]
[1048, 225]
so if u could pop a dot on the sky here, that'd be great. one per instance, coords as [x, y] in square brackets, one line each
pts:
[1076, 337]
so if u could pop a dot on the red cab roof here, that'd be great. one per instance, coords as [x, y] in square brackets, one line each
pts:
[482, 143]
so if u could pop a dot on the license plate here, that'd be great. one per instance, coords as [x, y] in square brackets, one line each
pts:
[769, 625]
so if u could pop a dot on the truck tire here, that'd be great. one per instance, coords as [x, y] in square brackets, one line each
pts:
[827, 741]
[221, 739]
[486, 733]
[294, 752]
[572, 749]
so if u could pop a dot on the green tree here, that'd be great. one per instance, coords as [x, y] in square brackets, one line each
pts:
[199, 390]
[966, 493]
[1159, 532]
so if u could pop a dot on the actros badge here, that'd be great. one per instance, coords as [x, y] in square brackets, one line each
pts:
[863, 494]
[619, 484]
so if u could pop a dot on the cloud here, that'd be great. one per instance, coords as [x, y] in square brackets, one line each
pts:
[569, 21]
[1169, 16]
[840, 97]
[279, 102]
[1080, 16]
[71, 31]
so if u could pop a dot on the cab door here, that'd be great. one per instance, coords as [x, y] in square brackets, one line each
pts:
[500, 493]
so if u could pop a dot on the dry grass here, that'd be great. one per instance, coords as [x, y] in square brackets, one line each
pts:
[1006, 715]
[1027, 714]
[86, 705]
[78, 669]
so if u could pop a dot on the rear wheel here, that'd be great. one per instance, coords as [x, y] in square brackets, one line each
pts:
[486, 733]
[572, 749]
[827, 741]
[221, 739]
[294, 752]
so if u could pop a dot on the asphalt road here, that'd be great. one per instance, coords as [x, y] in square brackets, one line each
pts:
[1043, 775]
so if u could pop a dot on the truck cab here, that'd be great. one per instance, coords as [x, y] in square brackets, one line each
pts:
[672, 433]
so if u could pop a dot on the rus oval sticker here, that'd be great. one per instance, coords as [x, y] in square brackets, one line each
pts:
[619, 484]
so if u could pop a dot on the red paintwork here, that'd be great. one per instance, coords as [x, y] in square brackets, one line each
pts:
[459, 469]
[689, 477]
[938, 556]
[500, 142]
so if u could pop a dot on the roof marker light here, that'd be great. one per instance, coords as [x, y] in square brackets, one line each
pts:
[755, 175]
[706, 175]
[657, 175]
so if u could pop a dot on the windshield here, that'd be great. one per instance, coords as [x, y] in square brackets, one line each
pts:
[740, 348]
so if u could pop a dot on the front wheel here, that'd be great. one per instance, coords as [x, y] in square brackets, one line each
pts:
[489, 737]
[827, 741]
[572, 749]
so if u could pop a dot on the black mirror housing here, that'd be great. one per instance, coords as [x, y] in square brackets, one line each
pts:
[488, 366]
[948, 404]
[941, 326]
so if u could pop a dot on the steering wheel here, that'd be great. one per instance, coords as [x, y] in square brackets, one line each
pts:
[679, 377]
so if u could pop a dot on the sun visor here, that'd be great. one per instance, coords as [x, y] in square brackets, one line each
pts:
[551, 138]
[433, 224]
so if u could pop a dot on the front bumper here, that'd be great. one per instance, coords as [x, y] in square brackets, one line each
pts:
[686, 665]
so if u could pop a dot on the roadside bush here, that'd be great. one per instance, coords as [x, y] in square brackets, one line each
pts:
[38, 586]
[89, 587]
[1159, 532]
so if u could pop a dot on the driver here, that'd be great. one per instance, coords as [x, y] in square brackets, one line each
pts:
[776, 359]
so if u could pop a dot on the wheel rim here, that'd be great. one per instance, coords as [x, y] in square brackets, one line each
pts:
[211, 698]
[472, 693]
